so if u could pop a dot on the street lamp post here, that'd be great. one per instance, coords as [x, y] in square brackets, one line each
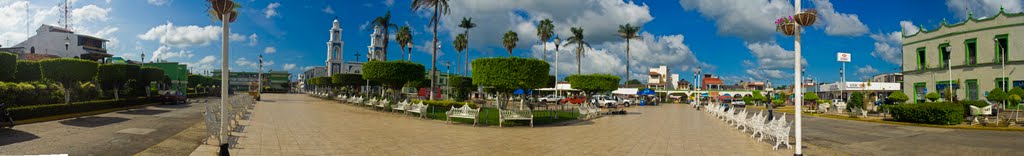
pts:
[259, 80]
[558, 42]
[1006, 83]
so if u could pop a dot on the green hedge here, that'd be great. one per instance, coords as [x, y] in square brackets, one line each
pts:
[393, 74]
[347, 79]
[25, 94]
[929, 113]
[37, 111]
[27, 71]
[508, 74]
[445, 104]
[594, 82]
[8, 65]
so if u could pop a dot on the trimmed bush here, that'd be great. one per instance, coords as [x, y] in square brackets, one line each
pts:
[25, 94]
[933, 96]
[8, 65]
[897, 97]
[27, 71]
[594, 83]
[392, 74]
[508, 74]
[444, 104]
[463, 86]
[114, 76]
[348, 79]
[146, 76]
[1016, 91]
[929, 113]
[67, 72]
[856, 101]
[37, 111]
[996, 95]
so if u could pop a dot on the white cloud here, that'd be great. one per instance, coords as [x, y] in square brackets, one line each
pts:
[772, 56]
[765, 74]
[600, 18]
[839, 24]
[271, 9]
[909, 28]
[389, 3]
[253, 39]
[207, 63]
[289, 66]
[746, 19]
[364, 25]
[246, 63]
[982, 8]
[270, 50]
[185, 36]
[888, 47]
[866, 71]
[165, 53]
[90, 13]
[89, 20]
[158, 2]
[609, 57]
[328, 10]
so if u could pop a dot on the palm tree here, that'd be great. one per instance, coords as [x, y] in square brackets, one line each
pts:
[385, 22]
[628, 32]
[467, 23]
[440, 8]
[404, 37]
[545, 31]
[460, 44]
[577, 38]
[509, 40]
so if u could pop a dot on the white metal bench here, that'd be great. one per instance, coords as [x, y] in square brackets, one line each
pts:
[382, 104]
[401, 106]
[523, 114]
[464, 112]
[370, 102]
[418, 108]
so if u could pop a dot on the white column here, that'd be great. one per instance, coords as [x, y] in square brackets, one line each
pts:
[224, 76]
[798, 98]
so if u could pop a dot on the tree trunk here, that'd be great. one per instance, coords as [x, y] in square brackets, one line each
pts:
[115, 94]
[578, 63]
[433, 58]
[67, 95]
[627, 61]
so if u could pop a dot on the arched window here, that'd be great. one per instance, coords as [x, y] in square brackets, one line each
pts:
[32, 50]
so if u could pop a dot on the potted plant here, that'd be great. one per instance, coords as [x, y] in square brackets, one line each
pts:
[807, 17]
[221, 6]
[786, 26]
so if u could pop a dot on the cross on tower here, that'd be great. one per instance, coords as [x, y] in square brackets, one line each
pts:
[357, 57]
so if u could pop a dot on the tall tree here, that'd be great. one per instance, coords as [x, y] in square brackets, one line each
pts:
[384, 22]
[404, 37]
[545, 30]
[509, 40]
[440, 8]
[460, 44]
[628, 32]
[577, 38]
[467, 23]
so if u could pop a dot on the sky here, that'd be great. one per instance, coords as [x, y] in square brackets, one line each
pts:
[733, 39]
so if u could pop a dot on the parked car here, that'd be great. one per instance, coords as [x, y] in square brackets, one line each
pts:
[550, 98]
[609, 101]
[573, 100]
[739, 103]
[172, 97]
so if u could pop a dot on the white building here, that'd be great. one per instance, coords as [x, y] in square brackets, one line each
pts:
[60, 42]
[376, 49]
[335, 51]
[660, 78]
[838, 90]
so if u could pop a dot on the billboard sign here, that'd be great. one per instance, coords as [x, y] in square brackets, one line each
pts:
[843, 57]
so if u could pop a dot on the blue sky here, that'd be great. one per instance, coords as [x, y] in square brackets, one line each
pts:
[733, 39]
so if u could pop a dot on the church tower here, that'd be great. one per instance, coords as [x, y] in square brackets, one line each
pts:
[335, 53]
[376, 49]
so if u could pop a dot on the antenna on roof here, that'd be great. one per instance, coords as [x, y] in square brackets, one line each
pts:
[65, 15]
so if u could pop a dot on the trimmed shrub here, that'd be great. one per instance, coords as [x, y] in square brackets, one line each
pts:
[856, 101]
[932, 97]
[67, 72]
[508, 74]
[37, 111]
[8, 65]
[146, 76]
[897, 97]
[114, 76]
[929, 113]
[444, 104]
[996, 95]
[594, 83]
[463, 86]
[27, 71]
[392, 74]
[1016, 91]
[348, 79]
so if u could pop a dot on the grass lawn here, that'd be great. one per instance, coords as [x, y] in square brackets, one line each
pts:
[489, 116]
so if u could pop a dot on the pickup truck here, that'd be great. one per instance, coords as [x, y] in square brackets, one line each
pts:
[550, 98]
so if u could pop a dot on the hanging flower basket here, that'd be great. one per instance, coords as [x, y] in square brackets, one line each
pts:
[222, 6]
[807, 17]
[786, 25]
[232, 16]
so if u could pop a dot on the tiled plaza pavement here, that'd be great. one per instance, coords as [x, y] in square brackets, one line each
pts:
[296, 124]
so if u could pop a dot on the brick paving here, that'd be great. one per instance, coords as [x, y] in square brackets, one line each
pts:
[296, 124]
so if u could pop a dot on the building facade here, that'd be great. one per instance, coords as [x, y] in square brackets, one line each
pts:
[974, 51]
[243, 81]
[176, 72]
[335, 50]
[376, 49]
[52, 41]
[661, 78]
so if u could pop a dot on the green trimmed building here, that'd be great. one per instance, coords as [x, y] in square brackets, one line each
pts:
[241, 81]
[176, 72]
[975, 47]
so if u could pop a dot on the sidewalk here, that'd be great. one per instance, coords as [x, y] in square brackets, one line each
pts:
[295, 124]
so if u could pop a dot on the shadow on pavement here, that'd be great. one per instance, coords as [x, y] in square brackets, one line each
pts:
[267, 101]
[239, 129]
[11, 136]
[93, 121]
[173, 106]
[143, 112]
